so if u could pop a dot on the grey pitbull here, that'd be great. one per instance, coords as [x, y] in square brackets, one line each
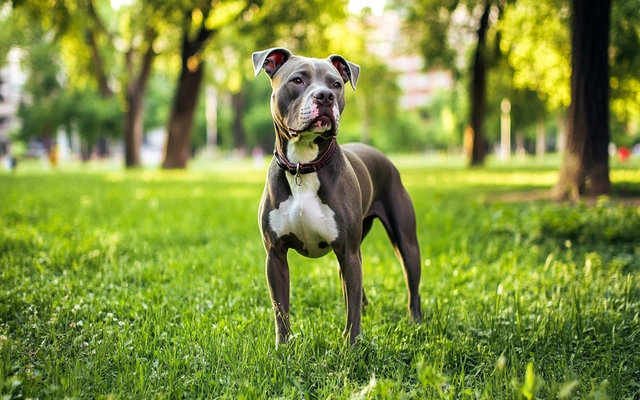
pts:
[320, 196]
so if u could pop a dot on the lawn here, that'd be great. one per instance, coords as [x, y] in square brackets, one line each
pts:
[150, 284]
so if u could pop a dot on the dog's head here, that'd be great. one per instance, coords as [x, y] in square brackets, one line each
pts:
[308, 93]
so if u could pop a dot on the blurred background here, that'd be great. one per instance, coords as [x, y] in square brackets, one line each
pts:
[158, 83]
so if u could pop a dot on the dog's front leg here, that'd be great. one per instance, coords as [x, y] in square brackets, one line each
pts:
[278, 280]
[351, 276]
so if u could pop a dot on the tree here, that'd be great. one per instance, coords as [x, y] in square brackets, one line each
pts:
[135, 89]
[585, 167]
[441, 28]
[135, 37]
[91, 48]
[536, 37]
[200, 23]
[479, 90]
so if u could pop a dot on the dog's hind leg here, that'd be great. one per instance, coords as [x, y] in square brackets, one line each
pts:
[398, 217]
[366, 227]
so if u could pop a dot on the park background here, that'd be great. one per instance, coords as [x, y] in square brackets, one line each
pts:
[157, 83]
[136, 140]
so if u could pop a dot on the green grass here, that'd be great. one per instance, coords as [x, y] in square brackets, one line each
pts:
[150, 284]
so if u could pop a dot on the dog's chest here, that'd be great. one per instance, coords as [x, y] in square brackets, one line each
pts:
[304, 215]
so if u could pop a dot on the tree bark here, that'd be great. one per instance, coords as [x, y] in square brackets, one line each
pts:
[478, 92]
[134, 98]
[178, 150]
[585, 167]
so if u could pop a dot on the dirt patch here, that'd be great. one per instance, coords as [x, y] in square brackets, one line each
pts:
[520, 197]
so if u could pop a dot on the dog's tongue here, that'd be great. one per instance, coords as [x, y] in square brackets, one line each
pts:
[323, 122]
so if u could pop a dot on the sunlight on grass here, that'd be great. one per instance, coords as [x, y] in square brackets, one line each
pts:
[477, 178]
[625, 175]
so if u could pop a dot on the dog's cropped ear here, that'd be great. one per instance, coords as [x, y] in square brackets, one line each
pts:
[271, 60]
[348, 70]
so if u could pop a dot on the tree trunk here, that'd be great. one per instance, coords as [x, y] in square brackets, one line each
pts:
[178, 150]
[478, 92]
[134, 97]
[239, 135]
[133, 127]
[585, 167]
[561, 138]
[541, 140]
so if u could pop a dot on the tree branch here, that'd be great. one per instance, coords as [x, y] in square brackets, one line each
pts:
[96, 18]
[98, 64]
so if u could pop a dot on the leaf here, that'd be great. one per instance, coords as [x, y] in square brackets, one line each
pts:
[530, 382]
[224, 13]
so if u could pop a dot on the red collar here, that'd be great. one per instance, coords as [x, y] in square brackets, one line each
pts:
[306, 168]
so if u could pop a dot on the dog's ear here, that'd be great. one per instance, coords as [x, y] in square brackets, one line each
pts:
[348, 70]
[271, 60]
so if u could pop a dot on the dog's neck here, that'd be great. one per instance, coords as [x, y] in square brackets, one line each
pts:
[300, 157]
[304, 149]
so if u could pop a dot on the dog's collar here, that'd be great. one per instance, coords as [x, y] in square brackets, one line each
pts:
[299, 169]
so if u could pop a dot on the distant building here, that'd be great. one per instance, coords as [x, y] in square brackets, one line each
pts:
[12, 79]
[418, 86]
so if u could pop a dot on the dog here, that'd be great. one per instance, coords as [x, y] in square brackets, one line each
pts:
[321, 197]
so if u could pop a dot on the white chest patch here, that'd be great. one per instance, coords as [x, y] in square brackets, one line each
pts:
[303, 213]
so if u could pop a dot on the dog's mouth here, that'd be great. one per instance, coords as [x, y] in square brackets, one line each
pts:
[322, 125]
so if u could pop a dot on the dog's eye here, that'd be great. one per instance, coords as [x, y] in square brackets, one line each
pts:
[297, 81]
[337, 85]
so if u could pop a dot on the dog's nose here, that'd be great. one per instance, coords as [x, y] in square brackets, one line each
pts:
[324, 97]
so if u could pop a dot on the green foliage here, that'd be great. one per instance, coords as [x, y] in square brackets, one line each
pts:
[150, 284]
[305, 26]
[94, 116]
[258, 122]
[407, 132]
[225, 125]
[374, 105]
[88, 113]
[446, 117]
[625, 72]
[199, 136]
[158, 101]
[429, 23]
[536, 40]
[41, 116]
